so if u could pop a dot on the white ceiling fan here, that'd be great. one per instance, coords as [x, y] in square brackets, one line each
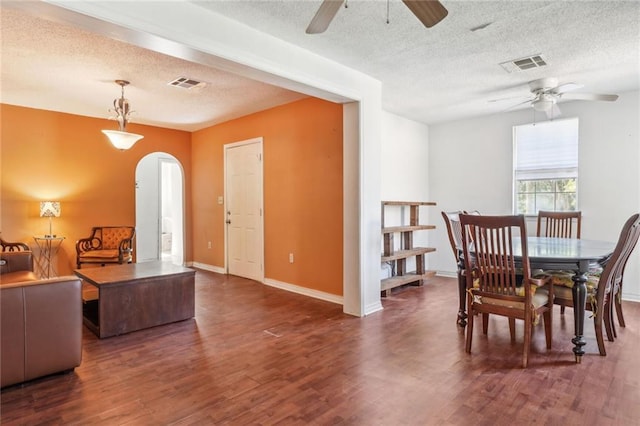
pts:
[545, 94]
[429, 12]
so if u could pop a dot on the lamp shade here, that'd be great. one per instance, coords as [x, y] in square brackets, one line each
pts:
[49, 208]
[122, 140]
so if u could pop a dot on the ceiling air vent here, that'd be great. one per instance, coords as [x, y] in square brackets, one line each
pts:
[186, 83]
[522, 64]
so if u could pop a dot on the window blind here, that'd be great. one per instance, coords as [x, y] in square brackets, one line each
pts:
[546, 150]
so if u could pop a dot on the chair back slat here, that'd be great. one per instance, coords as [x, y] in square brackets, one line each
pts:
[559, 224]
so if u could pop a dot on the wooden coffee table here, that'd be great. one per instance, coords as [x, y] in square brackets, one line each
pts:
[136, 296]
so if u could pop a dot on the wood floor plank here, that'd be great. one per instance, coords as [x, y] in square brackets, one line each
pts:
[254, 354]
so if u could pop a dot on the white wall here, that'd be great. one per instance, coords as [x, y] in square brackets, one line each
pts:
[404, 173]
[470, 167]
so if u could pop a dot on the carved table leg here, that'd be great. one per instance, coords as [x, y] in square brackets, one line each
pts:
[579, 292]
[462, 294]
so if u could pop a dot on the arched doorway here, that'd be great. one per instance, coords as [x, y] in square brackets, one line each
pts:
[160, 209]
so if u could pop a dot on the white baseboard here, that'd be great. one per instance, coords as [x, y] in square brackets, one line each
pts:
[372, 308]
[447, 274]
[206, 267]
[304, 291]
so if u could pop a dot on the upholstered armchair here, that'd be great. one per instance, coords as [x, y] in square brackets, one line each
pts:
[107, 244]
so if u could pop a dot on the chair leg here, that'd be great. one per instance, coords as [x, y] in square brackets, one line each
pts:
[597, 323]
[562, 309]
[527, 340]
[469, 328]
[609, 326]
[618, 306]
[547, 318]
[512, 329]
[485, 323]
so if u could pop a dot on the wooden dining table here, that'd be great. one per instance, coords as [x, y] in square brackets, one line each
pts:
[577, 255]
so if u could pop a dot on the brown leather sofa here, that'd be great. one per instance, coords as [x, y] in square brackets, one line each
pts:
[40, 321]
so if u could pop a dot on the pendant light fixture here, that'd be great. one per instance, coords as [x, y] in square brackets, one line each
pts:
[122, 139]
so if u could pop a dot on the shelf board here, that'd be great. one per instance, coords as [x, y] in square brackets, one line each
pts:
[403, 254]
[408, 228]
[398, 280]
[408, 203]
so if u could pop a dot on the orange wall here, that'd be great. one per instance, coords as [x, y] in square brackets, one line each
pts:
[302, 144]
[62, 157]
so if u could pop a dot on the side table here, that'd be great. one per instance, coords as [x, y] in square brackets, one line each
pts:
[48, 247]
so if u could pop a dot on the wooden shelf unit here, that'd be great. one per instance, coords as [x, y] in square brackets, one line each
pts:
[398, 257]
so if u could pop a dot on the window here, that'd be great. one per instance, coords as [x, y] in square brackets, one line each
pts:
[545, 166]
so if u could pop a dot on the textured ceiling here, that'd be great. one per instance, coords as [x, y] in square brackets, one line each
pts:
[429, 75]
[448, 71]
[51, 66]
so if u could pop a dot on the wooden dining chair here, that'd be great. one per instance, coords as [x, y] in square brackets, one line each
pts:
[603, 291]
[494, 286]
[454, 231]
[559, 224]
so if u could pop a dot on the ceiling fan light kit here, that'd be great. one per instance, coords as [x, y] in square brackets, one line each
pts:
[429, 12]
[544, 103]
[121, 139]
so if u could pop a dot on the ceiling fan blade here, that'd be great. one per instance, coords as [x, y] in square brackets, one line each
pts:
[589, 97]
[517, 105]
[429, 12]
[509, 98]
[324, 16]
[567, 87]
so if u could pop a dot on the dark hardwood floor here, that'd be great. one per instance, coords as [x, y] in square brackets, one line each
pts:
[256, 355]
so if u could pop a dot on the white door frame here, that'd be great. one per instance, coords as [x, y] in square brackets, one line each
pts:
[226, 147]
[157, 158]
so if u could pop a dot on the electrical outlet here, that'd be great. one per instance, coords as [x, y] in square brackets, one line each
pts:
[290, 257]
[209, 244]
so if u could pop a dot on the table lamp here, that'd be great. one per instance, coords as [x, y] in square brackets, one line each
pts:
[50, 209]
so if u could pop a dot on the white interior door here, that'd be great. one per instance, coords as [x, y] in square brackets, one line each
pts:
[244, 220]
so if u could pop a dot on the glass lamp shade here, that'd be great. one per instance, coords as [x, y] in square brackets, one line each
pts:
[544, 103]
[122, 140]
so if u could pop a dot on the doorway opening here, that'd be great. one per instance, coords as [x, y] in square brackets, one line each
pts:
[160, 209]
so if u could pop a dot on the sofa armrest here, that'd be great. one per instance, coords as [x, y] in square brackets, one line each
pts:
[41, 325]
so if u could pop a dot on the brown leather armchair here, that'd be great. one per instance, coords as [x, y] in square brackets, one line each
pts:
[107, 244]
